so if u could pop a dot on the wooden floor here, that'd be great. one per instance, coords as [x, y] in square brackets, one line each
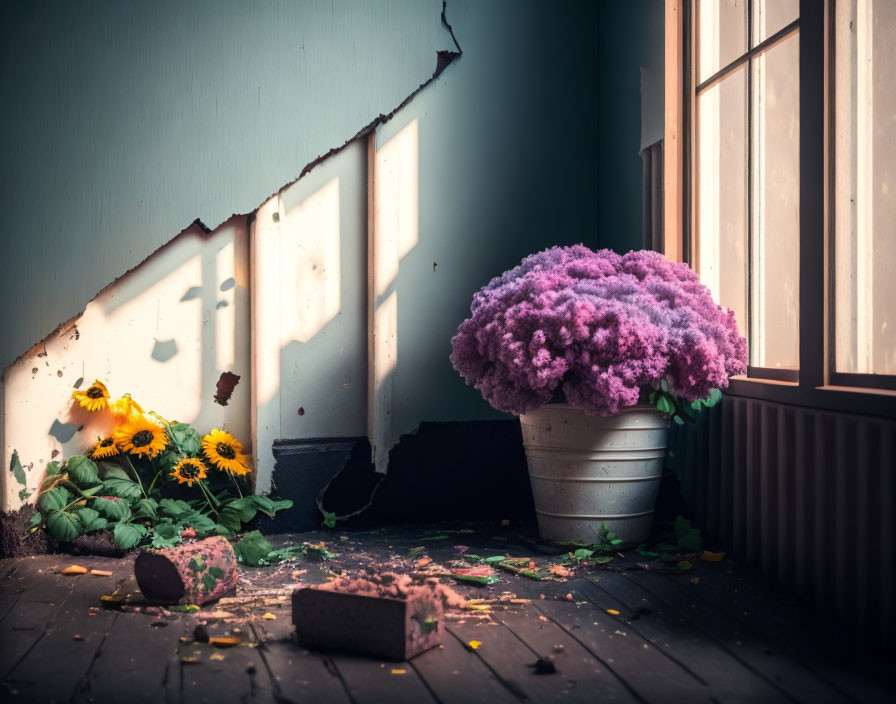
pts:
[629, 631]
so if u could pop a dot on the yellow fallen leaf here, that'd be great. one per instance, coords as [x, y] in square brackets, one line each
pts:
[398, 671]
[505, 522]
[712, 556]
[224, 641]
[612, 612]
[75, 569]
[474, 644]
[694, 580]
[101, 573]
[216, 656]
[422, 562]
[269, 616]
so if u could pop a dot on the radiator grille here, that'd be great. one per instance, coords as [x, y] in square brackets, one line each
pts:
[806, 496]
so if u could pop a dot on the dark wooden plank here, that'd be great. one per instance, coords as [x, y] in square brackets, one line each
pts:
[510, 659]
[54, 667]
[224, 674]
[793, 628]
[759, 653]
[573, 661]
[454, 674]
[297, 674]
[729, 679]
[652, 675]
[20, 630]
[133, 659]
[371, 681]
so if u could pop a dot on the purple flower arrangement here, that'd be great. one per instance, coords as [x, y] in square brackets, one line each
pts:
[601, 331]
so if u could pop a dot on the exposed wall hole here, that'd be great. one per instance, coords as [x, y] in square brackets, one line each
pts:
[226, 384]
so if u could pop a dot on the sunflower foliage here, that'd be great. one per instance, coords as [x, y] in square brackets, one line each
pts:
[150, 483]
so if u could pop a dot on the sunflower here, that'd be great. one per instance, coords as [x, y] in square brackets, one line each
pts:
[95, 398]
[105, 447]
[189, 470]
[125, 407]
[225, 452]
[140, 436]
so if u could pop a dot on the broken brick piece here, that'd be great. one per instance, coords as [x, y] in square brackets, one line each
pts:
[194, 573]
[395, 627]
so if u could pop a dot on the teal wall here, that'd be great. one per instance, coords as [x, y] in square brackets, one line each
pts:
[631, 112]
[124, 121]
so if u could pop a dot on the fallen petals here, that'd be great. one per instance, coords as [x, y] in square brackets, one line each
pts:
[74, 569]
[712, 556]
[101, 573]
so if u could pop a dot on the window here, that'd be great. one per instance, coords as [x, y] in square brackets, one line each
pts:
[864, 246]
[746, 225]
[786, 131]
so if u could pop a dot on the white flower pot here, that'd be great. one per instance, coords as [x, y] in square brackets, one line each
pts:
[588, 470]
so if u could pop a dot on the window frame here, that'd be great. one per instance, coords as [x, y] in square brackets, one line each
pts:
[816, 384]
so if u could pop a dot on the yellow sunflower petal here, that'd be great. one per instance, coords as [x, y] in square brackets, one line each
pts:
[225, 452]
[189, 470]
[125, 407]
[140, 436]
[106, 447]
[93, 398]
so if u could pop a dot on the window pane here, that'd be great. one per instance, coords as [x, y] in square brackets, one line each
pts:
[775, 209]
[865, 187]
[770, 16]
[721, 34]
[722, 192]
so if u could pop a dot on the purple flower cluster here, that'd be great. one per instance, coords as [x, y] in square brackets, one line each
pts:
[596, 326]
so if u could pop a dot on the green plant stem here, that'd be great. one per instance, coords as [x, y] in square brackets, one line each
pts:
[207, 498]
[237, 485]
[136, 474]
[153, 482]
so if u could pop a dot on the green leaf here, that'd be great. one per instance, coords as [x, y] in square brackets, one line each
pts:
[329, 519]
[692, 542]
[166, 460]
[82, 470]
[265, 505]
[123, 488]
[146, 508]
[52, 468]
[185, 437]
[201, 524]
[126, 535]
[175, 508]
[15, 466]
[281, 505]
[63, 525]
[223, 530]
[665, 406]
[87, 516]
[714, 397]
[54, 499]
[112, 509]
[110, 470]
[230, 518]
[682, 527]
[166, 530]
[582, 554]
[253, 548]
[245, 508]
[474, 578]
[678, 420]
[684, 566]
[495, 559]
[602, 559]
[36, 519]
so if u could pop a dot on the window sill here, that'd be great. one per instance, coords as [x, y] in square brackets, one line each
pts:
[837, 399]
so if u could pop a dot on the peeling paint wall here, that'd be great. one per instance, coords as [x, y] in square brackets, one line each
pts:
[508, 165]
[127, 120]
[164, 332]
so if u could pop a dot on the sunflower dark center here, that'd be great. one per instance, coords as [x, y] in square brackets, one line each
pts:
[225, 450]
[141, 439]
[189, 470]
[94, 392]
[108, 442]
